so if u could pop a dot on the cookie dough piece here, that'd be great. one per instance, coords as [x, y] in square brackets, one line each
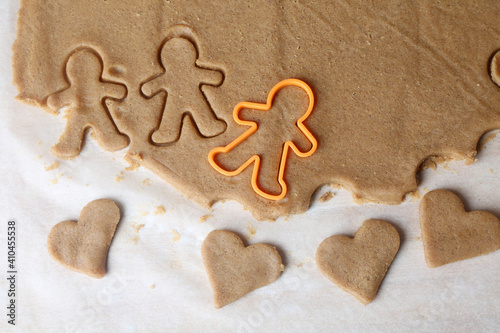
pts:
[495, 68]
[83, 246]
[358, 265]
[235, 270]
[451, 234]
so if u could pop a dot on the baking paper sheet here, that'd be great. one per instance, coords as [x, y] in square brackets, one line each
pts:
[156, 280]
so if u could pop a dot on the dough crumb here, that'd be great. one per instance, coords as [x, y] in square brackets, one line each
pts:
[252, 230]
[146, 182]
[326, 197]
[432, 162]
[56, 179]
[448, 168]
[119, 177]
[52, 166]
[495, 68]
[428, 164]
[39, 142]
[152, 286]
[133, 164]
[160, 210]
[136, 227]
[176, 236]
[204, 218]
[415, 195]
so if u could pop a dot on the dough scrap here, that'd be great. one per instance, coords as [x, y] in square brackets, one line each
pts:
[235, 270]
[390, 92]
[495, 68]
[358, 265]
[450, 234]
[83, 246]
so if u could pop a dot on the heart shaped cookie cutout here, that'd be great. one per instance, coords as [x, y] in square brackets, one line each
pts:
[235, 270]
[358, 265]
[450, 234]
[83, 246]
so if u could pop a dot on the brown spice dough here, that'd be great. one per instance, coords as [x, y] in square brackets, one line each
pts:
[495, 68]
[358, 265]
[83, 246]
[394, 84]
[450, 234]
[235, 270]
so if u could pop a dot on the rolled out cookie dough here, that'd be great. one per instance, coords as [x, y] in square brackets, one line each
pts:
[394, 84]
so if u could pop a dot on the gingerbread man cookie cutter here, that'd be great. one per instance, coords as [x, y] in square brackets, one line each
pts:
[253, 128]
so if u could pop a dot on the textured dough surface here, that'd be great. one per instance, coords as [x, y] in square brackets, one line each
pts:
[235, 270]
[394, 84]
[358, 265]
[451, 234]
[83, 246]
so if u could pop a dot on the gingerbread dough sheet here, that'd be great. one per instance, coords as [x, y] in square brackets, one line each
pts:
[155, 279]
[394, 85]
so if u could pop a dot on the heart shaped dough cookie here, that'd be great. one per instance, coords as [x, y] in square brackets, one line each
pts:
[451, 234]
[358, 265]
[83, 246]
[235, 270]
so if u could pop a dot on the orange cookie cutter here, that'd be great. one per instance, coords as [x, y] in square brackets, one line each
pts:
[253, 128]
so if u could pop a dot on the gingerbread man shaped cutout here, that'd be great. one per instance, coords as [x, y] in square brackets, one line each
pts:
[182, 80]
[86, 105]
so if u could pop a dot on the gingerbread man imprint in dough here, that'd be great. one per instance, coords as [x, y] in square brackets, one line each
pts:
[182, 80]
[86, 107]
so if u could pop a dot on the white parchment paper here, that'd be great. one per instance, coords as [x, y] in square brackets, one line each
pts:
[156, 281]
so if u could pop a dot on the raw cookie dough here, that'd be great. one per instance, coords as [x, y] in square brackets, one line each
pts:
[394, 84]
[495, 68]
[85, 99]
[358, 265]
[451, 234]
[83, 246]
[235, 270]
